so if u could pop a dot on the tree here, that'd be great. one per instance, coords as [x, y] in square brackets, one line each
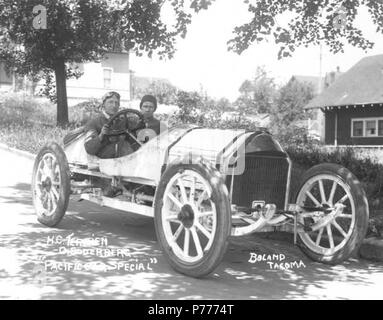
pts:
[288, 108]
[79, 30]
[44, 37]
[331, 22]
[162, 89]
[190, 109]
[223, 104]
[257, 95]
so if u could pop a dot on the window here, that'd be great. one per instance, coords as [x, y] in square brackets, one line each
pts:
[357, 129]
[380, 127]
[107, 78]
[368, 127]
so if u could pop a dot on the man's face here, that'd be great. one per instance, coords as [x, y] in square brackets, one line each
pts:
[111, 105]
[148, 109]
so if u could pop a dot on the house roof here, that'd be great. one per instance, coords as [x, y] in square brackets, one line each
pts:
[362, 84]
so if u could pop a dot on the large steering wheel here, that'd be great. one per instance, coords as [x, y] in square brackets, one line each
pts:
[123, 115]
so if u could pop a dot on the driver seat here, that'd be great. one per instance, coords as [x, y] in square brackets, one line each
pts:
[72, 135]
[75, 150]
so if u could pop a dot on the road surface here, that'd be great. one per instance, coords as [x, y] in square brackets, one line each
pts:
[35, 261]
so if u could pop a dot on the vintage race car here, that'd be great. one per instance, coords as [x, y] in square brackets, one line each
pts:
[203, 186]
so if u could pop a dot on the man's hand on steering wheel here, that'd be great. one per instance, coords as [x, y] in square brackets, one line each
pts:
[108, 132]
[104, 131]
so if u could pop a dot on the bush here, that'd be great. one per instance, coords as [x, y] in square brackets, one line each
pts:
[369, 173]
[27, 123]
[21, 109]
[80, 113]
[294, 135]
[202, 111]
[31, 137]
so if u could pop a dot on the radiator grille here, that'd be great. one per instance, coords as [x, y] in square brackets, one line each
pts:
[264, 178]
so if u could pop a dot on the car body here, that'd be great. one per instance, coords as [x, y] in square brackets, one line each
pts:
[203, 185]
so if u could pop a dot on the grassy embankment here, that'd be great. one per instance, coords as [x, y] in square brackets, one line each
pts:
[28, 123]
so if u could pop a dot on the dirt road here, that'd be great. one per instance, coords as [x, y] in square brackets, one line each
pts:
[125, 261]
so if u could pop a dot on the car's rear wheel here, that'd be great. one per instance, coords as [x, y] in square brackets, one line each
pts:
[50, 184]
[192, 218]
[339, 230]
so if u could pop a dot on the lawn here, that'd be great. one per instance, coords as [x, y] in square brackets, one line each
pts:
[28, 123]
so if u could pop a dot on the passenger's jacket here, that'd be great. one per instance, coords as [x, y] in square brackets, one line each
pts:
[156, 125]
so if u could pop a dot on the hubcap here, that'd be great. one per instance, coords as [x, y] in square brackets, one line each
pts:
[47, 184]
[186, 216]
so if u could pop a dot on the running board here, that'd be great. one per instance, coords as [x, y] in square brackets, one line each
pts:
[120, 205]
[88, 172]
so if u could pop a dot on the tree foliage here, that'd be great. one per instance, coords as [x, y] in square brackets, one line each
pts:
[257, 95]
[288, 110]
[79, 31]
[162, 89]
[290, 102]
[332, 22]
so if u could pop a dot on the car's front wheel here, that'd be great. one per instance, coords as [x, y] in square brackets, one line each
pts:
[339, 226]
[50, 184]
[192, 218]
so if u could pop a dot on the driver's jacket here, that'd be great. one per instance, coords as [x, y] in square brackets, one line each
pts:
[109, 147]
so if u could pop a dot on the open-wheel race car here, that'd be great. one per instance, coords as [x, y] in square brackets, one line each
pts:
[203, 186]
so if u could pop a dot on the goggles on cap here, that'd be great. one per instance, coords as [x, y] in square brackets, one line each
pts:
[109, 95]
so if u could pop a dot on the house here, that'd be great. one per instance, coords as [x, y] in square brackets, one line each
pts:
[110, 74]
[315, 126]
[318, 83]
[353, 105]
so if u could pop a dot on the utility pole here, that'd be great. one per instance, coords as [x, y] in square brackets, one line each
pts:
[320, 69]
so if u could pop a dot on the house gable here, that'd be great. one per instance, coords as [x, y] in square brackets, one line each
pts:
[362, 84]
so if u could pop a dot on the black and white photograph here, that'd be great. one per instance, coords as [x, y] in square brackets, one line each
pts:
[208, 151]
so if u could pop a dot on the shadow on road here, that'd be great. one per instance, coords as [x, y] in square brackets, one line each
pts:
[28, 253]
[19, 193]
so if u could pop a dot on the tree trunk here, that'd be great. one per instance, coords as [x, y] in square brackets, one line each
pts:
[62, 102]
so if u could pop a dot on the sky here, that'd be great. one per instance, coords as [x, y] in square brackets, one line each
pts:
[202, 58]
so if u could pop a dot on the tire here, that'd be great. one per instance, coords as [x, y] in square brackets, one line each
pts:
[210, 197]
[339, 186]
[50, 184]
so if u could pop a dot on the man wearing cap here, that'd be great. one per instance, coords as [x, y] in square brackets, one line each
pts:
[148, 106]
[96, 141]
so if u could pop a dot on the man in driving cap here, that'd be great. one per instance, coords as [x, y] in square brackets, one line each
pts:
[97, 142]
